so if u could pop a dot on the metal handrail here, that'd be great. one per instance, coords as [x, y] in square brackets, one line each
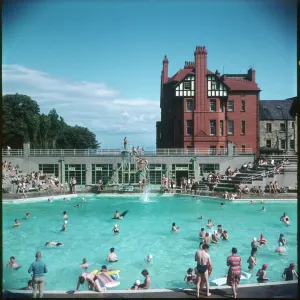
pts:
[261, 174]
[118, 151]
[13, 152]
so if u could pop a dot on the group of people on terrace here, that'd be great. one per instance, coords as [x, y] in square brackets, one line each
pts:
[134, 151]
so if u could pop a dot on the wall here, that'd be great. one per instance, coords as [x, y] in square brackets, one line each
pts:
[276, 134]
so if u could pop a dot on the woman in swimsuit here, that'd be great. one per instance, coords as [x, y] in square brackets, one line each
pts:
[116, 229]
[254, 245]
[190, 277]
[262, 240]
[252, 260]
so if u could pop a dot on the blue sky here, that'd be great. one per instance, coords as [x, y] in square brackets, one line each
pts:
[99, 62]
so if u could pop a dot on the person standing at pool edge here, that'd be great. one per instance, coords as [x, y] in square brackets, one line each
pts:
[38, 268]
[234, 273]
[203, 261]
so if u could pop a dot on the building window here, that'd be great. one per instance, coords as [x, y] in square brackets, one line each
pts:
[293, 125]
[282, 127]
[189, 105]
[221, 128]
[103, 172]
[78, 171]
[243, 105]
[282, 144]
[187, 85]
[180, 126]
[268, 143]
[230, 127]
[207, 168]
[222, 151]
[212, 103]
[269, 127]
[292, 144]
[49, 169]
[189, 127]
[212, 150]
[243, 129]
[212, 127]
[230, 105]
[243, 148]
[221, 107]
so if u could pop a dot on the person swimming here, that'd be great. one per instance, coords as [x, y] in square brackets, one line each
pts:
[117, 215]
[222, 204]
[224, 235]
[149, 259]
[77, 205]
[210, 224]
[27, 215]
[174, 228]
[263, 209]
[65, 216]
[116, 230]
[112, 256]
[84, 264]
[17, 223]
[190, 277]
[83, 200]
[286, 221]
[280, 249]
[53, 244]
[64, 227]
[12, 264]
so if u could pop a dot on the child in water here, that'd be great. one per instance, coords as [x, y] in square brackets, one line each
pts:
[190, 277]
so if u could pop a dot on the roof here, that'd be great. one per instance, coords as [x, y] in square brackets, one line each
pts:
[275, 109]
[240, 83]
[182, 73]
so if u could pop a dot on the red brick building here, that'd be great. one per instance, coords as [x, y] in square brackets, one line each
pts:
[204, 110]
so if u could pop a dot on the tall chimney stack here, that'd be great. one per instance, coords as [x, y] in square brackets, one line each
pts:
[165, 69]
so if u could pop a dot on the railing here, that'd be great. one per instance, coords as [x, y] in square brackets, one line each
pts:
[243, 151]
[13, 152]
[260, 174]
[118, 151]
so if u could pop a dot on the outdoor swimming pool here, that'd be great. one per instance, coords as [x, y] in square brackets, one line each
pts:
[145, 229]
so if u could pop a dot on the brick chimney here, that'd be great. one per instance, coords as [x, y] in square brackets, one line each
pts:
[165, 69]
[200, 81]
[251, 74]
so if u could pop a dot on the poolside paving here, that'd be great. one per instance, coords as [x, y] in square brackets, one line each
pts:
[270, 290]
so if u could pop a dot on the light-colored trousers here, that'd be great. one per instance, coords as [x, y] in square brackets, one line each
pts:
[38, 285]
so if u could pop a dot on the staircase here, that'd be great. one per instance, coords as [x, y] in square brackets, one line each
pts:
[293, 161]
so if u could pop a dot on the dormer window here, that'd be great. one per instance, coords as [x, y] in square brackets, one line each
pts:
[187, 85]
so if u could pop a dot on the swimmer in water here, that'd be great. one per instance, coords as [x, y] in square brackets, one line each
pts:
[112, 256]
[116, 230]
[222, 204]
[286, 221]
[174, 228]
[53, 244]
[65, 216]
[77, 205]
[84, 264]
[252, 260]
[280, 249]
[251, 202]
[49, 200]
[117, 215]
[282, 218]
[149, 259]
[27, 215]
[190, 277]
[210, 224]
[224, 235]
[282, 239]
[17, 223]
[83, 200]
[66, 199]
[12, 264]
[262, 202]
[263, 209]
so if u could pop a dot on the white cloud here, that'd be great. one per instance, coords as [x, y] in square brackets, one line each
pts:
[91, 104]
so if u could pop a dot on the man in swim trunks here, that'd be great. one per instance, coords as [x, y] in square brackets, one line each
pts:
[202, 234]
[206, 240]
[262, 274]
[53, 244]
[203, 260]
[112, 256]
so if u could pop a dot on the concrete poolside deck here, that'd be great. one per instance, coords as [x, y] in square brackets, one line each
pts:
[285, 289]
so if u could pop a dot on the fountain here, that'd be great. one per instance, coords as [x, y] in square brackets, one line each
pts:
[146, 194]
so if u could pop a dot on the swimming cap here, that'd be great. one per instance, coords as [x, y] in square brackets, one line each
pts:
[292, 265]
[264, 266]
[150, 256]
[116, 225]
[281, 234]
[262, 235]
[280, 244]
[254, 239]
[66, 222]
[138, 282]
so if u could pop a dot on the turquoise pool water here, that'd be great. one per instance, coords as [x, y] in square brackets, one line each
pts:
[145, 229]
